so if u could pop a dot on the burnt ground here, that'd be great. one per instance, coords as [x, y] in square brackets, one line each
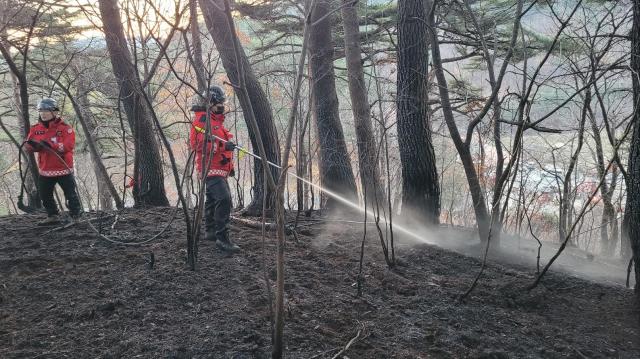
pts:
[69, 293]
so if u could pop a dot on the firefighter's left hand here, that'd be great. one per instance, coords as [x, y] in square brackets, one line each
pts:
[35, 145]
[44, 143]
[229, 146]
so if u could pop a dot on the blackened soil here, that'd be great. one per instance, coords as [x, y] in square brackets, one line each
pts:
[71, 294]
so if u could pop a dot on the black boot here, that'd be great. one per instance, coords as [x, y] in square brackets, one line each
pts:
[210, 235]
[224, 243]
[51, 220]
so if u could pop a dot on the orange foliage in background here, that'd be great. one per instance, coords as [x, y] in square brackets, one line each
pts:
[243, 37]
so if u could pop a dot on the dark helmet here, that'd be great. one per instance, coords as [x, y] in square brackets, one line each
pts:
[48, 104]
[216, 95]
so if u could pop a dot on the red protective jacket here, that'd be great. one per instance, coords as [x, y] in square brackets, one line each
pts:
[221, 161]
[61, 139]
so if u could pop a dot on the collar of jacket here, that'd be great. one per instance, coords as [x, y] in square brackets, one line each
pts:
[55, 122]
[216, 119]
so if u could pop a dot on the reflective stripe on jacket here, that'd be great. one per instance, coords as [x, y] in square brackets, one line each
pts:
[61, 139]
[221, 161]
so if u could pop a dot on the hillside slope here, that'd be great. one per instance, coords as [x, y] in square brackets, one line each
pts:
[69, 293]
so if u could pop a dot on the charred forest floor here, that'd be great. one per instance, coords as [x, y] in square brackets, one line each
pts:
[70, 294]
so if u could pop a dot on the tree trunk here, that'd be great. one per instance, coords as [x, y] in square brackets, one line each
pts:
[608, 211]
[475, 188]
[215, 18]
[198, 64]
[633, 194]
[335, 166]
[501, 178]
[368, 166]
[566, 204]
[108, 192]
[21, 95]
[625, 240]
[302, 189]
[148, 174]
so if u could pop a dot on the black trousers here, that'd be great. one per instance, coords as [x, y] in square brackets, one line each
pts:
[68, 185]
[217, 206]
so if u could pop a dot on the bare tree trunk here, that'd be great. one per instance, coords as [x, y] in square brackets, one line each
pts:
[21, 94]
[276, 189]
[196, 42]
[195, 56]
[566, 204]
[335, 166]
[608, 211]
[625, 240]
[214, 16]
[148, 174]
[475, 188]
[368, 166]
[633, 194]
[87, 121]
[278, 345]
[302, 189]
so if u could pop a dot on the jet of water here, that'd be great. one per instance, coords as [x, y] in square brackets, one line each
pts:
[336, 196]
[424, 238]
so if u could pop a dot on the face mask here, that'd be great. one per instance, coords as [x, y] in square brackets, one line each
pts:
[50, 116]
[218, 109]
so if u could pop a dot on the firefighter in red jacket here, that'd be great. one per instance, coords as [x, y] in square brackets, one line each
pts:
[217, 149]
[54, 141]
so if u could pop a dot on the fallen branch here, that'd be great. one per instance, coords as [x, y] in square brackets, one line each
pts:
[268, 226]
[350, 343]
[255, 224]
[323, 353]
[73, 223]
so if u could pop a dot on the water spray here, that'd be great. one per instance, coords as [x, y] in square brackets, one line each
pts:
[334, 195]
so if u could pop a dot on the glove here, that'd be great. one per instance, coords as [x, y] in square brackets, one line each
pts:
[229, 146]
[35, 145]
[232, 173]
[44, 143]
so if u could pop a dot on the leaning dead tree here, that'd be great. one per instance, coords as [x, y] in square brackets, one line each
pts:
[23, 18]
[214, 15]
[335, 166]
[367, 161]
[148, 178]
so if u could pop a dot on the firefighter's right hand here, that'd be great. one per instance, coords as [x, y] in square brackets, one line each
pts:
[229, 146]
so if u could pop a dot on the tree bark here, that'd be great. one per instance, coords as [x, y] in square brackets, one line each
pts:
[566, 203]
[215, 19]
[108, 192]
[335, 167]
[625, 240]
[420, 185]
[368, 165]
[302, 189]
[606, 190]
[21, 93]
[196, 42]
[633, 194]
[475, 188]
[148, 174]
